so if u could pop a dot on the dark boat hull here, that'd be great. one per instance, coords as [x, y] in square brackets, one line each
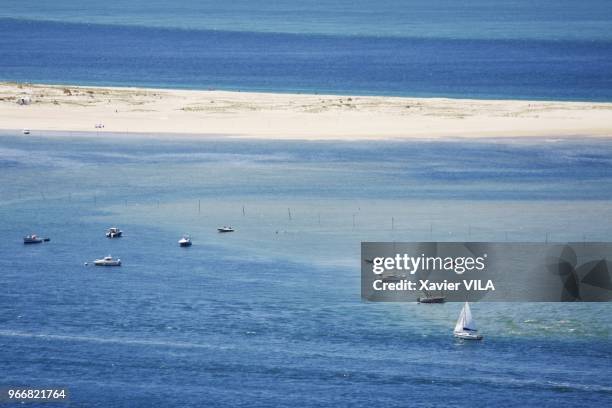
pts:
[437, 299]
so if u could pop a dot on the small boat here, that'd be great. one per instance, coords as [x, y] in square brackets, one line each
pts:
[225, 229]
[107, 261]
[431, 299]
[34, 239]
[466, 326]
[113, 232]
[185, 241]
[26, 131]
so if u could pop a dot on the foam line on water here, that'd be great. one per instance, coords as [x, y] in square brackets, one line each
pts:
[109, 340]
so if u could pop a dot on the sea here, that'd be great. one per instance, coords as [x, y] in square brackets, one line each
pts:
[271, 315]
[500, 49]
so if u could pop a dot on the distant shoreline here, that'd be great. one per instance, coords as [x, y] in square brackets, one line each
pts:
[284, 116]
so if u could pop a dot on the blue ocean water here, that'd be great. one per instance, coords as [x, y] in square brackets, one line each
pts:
[480, 49]
[271, 315]
[473, 19]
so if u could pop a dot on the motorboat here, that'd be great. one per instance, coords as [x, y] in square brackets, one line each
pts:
[185, 241]
[431, 299]
[466, 326]
[114, 232]
[225, 229]
[34, 239]
[107, 261]
[26, 131]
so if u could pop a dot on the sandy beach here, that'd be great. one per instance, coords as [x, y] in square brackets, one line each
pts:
[291, 116]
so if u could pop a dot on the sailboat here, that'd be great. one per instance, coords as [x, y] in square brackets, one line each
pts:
[466, 326]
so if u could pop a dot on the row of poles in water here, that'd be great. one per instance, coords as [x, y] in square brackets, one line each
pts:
[290, 216]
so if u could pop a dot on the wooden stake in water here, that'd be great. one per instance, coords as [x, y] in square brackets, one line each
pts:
[392, 223]
[289, 213]
[243, 212]
[199, 205]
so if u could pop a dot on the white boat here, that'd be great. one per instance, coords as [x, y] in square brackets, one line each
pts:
[107, 261]
[466, 326]
[113, 232]
[225, 229]
[185, 241]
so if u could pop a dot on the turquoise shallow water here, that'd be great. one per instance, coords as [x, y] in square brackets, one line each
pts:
[271, 315]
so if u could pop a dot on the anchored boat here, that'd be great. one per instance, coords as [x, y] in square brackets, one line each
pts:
[107, 261]
[185, 241]
[225, 229]
[431, 299]
[113, 232]
[34, 239]
[466, 326]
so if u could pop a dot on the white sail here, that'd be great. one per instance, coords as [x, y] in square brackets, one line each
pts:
[460, 320]
[469, 323]
[465, 320]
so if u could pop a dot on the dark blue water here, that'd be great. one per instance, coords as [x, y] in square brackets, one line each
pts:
[97, 54]
[271, 314]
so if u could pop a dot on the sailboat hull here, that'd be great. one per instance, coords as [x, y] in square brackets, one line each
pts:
[467, 336]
